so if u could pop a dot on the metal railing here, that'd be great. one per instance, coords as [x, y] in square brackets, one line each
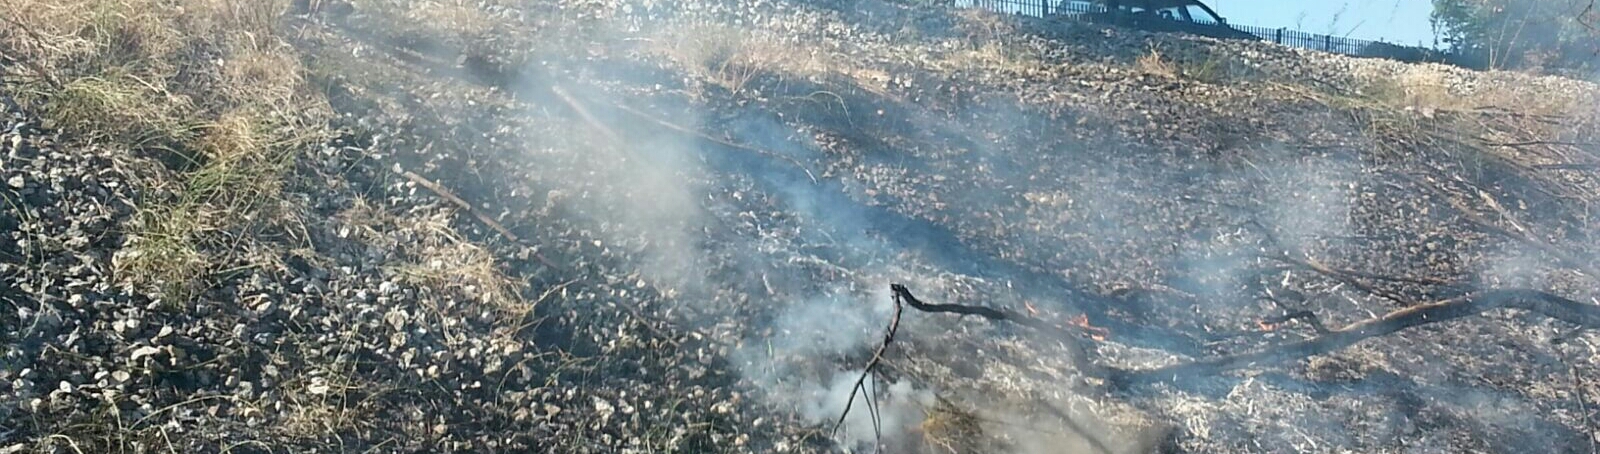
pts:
[1296, 38]
[1084, 10]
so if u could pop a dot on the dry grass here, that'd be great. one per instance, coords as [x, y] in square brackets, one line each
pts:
[207, 86]
[1155, 64]
[733, 58]
[996, 57]
[986, 43]
[116, 107]
[450, 263]
[210, 107]
[437, 257]
[1410, 109]
[1197, 64]
[1420, 87]
[326, 401]
[951, 429]
[455, 19]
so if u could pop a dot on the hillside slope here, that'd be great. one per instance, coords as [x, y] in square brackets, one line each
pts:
[639, 226]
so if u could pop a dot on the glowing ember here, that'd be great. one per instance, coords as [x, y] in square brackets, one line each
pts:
[1095, 332]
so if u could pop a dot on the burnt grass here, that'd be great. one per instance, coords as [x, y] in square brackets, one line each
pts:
[668, 223]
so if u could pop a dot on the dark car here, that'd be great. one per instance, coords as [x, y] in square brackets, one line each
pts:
[1186, 16]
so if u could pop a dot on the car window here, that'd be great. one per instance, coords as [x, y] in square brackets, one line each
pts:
[1198, 14]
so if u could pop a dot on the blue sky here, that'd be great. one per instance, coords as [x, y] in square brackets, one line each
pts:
[1396, 21]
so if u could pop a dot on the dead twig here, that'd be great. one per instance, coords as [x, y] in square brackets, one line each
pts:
[1059, 332]
[1382, 277]
[1003, 315]
[1079, 429]
[1549, 305]
[719, 141]
[1570, 166]
[587, 116]
[1583, 407]
[482, 217]
[1310, 318]
[611, 135]
[877, 356]
[1533, 143]
[1347, 279]
[1472, 217]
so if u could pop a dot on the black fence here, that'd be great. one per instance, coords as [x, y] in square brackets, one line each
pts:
[1296, 38]
[1202, 21]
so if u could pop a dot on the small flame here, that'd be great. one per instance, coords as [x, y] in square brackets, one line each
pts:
[1267, 326]
[1095, 332]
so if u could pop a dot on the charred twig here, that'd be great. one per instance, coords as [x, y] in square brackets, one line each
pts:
[1550, 305]
[1347, 279]
[1498, 110]
[1337, 273]
[1568, 166]
[1532, 143]
[1523, 237]
[1308, 316]
[877, 356]
[985, 312]
[583, 112]
[1583, 407]
[1323, 267]
[719, 141]
[482, 217]
[1472, 217]
[1057, 331]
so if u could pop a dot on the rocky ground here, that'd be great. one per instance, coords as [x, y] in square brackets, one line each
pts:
[636, 226]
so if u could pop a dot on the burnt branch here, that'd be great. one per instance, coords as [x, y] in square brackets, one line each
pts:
[1337, 275]
[877, 356]
[1342, 273]
[719, 141]
[587, 116]
[1308, 316]
[1583, 407]
[1002, 315]
[1520, 234]
[1059, 332]
[1534, 143]
[1549, 305]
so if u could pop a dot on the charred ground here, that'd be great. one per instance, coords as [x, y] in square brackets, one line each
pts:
[671, 227]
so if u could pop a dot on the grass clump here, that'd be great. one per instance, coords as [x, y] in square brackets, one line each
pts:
[163, 258]
[1154, 63]
[950, 429]
[435, 257]
[1200, 64]
[733, 58]
[207, 87]
[117, 107]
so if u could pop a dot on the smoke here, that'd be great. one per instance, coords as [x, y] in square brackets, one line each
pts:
[1312, 210]
[710, 221]
[673, 205]
[889, 419]
[794, 364]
